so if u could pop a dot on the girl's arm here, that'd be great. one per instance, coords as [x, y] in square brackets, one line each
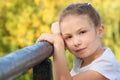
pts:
[60, 67]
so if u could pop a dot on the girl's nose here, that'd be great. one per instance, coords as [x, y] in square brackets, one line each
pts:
[76, 41]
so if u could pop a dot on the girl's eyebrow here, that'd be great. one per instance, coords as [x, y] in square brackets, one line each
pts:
[81, 29]
[78, 30]
[66, 34]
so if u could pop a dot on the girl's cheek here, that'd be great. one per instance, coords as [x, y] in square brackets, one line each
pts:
[66, 44]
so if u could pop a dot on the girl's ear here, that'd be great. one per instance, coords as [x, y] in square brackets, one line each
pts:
[101, 30]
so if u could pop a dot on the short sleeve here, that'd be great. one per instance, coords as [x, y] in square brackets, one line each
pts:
[76, 63]
[106, 68]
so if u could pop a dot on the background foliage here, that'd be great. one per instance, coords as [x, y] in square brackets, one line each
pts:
[22, 22]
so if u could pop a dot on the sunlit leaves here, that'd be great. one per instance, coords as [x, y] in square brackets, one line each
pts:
[22, 22]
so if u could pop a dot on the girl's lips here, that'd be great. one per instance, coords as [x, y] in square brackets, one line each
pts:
[79, 50]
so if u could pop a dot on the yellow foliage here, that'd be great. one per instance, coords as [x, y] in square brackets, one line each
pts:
[30, 71]
[117, 52]
[37, 34]
[36, 23]
[48, 16]
[44, 28]
[22, 22]
[37, 2]
[8, 4]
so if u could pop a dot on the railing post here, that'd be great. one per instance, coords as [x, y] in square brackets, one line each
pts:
[18, 62]
[43, 71]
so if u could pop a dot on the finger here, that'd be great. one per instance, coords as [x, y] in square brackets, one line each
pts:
[45, 37]
[55, 28]
[41, 37]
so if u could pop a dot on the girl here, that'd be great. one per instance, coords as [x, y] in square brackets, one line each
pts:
[80, 31]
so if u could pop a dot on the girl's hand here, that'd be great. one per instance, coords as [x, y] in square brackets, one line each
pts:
[54, 38]
[55, 29]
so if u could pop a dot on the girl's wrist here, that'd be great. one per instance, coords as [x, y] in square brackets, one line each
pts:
[59, 45]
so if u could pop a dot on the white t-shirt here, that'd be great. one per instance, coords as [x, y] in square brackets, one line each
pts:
[106, 65]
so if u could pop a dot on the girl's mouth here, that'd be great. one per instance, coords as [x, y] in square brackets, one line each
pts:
[80, 49]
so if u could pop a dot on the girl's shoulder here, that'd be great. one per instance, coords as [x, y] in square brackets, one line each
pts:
[107, 65]
[106, 57]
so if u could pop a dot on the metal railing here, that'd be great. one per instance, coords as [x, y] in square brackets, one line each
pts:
[34, 56]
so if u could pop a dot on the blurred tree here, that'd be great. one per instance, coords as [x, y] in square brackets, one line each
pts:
[22, 21]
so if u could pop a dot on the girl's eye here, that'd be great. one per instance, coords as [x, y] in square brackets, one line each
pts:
[68, 37]
[82, 32]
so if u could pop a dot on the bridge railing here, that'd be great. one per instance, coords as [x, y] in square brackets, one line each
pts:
[34, 56]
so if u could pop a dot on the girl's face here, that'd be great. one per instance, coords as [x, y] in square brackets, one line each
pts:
[80, 35]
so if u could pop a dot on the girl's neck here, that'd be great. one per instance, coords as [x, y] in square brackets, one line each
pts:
[86, 61]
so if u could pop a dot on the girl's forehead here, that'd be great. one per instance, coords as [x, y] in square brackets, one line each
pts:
[74, 23]
[75, 20]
